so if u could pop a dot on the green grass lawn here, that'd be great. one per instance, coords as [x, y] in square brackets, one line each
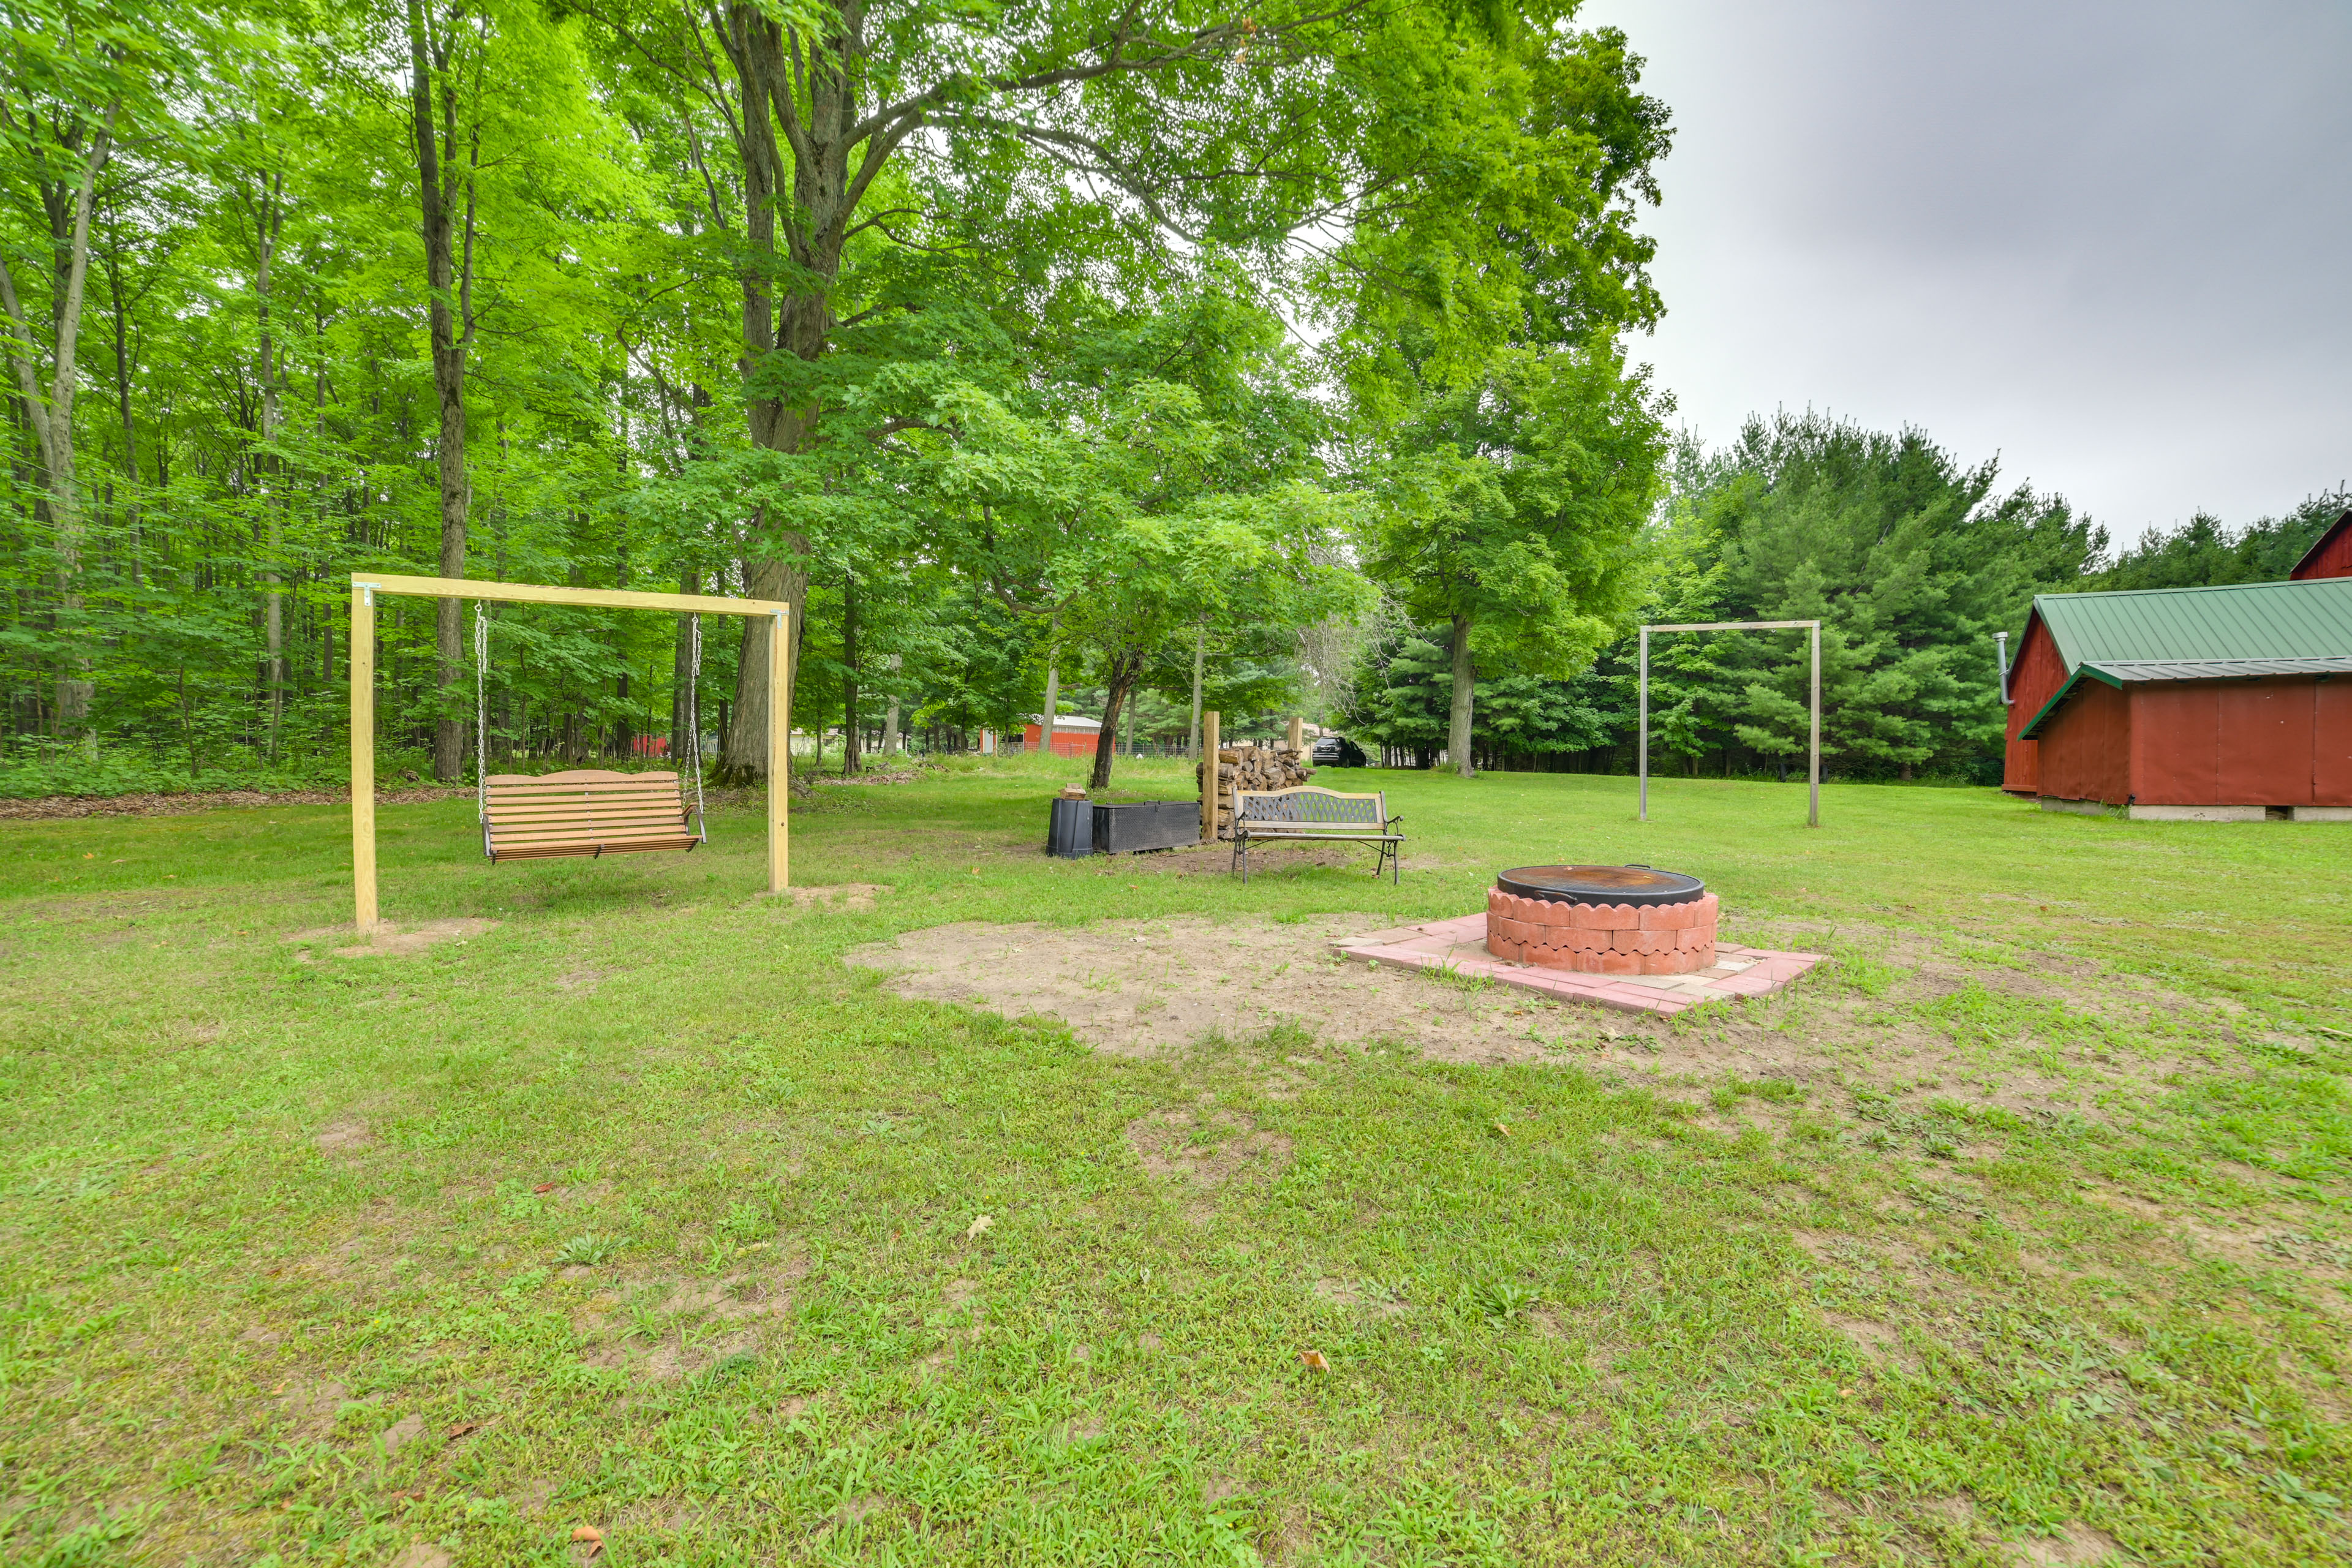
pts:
[639, 1209]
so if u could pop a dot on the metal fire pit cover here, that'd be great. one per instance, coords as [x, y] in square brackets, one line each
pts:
[1635, 885]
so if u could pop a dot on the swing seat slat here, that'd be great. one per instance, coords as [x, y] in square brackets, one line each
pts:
[586, 811]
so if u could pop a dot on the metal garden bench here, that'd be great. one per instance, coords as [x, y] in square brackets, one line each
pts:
[1310, 811]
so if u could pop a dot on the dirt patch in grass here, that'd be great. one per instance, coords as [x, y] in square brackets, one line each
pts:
[312, 1404]
[1880, 1345]
[344, 1138]
[737, 1296]
[1209, 1150]
[2076, 1543]
[838, 896]
[391, 941]
[1137, 987]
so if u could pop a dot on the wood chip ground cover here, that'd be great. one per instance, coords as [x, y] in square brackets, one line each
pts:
[2019, 1233]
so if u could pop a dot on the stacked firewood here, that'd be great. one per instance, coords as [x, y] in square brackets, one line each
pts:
[1254, 768]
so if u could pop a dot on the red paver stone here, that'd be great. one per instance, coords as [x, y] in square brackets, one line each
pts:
[1583, 963]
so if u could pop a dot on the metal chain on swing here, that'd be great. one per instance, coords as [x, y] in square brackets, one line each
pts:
[694, 723]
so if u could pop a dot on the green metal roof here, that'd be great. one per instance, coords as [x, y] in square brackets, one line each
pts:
[2196, 634]
[2239, 620]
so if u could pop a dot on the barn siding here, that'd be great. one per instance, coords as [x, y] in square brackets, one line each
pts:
[1067, 743]
[2265, 742]
[2332, 558]
[2033, 679]
[2331, 742]
[2177, 744]
[2086, 746]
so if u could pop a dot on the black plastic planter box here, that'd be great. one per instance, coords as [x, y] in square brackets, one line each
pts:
[1145, 825]
[1070, 832]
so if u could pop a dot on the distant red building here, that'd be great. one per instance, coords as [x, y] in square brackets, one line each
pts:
[1073, 736]
[2223, 702]
[2330, 554]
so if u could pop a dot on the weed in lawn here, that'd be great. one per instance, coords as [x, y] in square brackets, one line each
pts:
[1501, 1303]
[588, 1250]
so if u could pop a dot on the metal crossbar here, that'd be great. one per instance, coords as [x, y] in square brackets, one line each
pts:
[1310, 811]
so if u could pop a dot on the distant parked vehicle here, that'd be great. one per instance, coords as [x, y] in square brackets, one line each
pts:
[1337, 752]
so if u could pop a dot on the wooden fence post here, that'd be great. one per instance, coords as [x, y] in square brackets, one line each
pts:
[1297, 733]
[780, 755]
[1209, 790]
[362, 662]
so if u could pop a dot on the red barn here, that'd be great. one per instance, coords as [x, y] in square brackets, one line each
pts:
[2330, 554]
[1073, 736]
[2229, 703]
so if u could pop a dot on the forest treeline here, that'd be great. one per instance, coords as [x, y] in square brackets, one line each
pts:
[1263, 358]
[1912, 560]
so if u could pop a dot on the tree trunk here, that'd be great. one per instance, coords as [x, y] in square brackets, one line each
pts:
[1122, 673]
[122, 403]
[685, 729]
[52, 415]
[1200, 655]
[1457, 727]
[268, 217]
[449, 280]
[853, 738]
[743, 746]
[1053, 705]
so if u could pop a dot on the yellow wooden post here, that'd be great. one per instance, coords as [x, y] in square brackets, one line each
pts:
[362, 675]
[780, 757]
[1209, 777]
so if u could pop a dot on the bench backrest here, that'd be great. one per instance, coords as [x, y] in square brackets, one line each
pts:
[584, 811]
[1312, 805]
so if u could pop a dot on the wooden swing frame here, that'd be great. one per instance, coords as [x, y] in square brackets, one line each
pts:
[365, 587]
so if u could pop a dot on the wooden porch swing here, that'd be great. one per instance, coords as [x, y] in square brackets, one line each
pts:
[587, 812]
[583, 811]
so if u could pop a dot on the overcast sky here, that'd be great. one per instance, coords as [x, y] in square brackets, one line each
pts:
[2110, 242]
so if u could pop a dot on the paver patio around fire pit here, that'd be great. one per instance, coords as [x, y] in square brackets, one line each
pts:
[1460, 945]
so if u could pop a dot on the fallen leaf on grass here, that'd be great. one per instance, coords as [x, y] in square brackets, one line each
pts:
[982, 1224]
[544, 1187]
[1503, 1130]
[462, 1428]
[1314, 1361]
[591, 1537]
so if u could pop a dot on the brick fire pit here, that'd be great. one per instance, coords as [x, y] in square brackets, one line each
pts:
[1601, 919]
[1628, 937]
